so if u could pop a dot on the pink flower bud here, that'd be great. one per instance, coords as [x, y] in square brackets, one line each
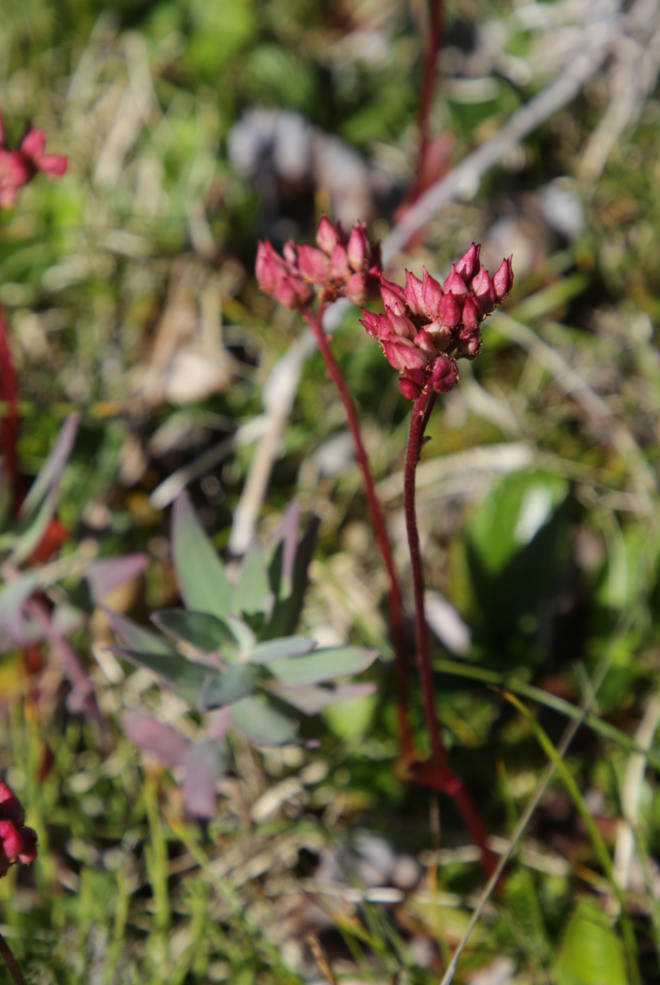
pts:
[370, 322]
[444, 374]
[339, 267]
[468, 265]
[2, 130]
[393, 297]
[401, 325]
[414, 294]
[409, 389]
[448, 311]
[484, 291]
[402, 354]
[269, 268]
[290, 256]
[455, 283]
[293, 291]
[33, 149]
[314, 264]
[425, 341]
[469, 347]
[432, 293]
[358, 247]
[14, 173]
[54, 164]
[356, 288]
[471, 318]
[441, 334]
[503, 279]
[10, 840]
[11, 808]
[28, 851]
[327, 236]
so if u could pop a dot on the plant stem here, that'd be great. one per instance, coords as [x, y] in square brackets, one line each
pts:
[9, 416]
[440, 775]
[380, 531]
[426, 92]
[11, 962]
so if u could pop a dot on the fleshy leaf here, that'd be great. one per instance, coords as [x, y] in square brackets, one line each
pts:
[107, 574]
[201, 577]
[204, 764]
[322, 665]
[155, 737]
[13, 596]
[591, 953]
[261, 724]
[289, 646]
[286, 610]
[311, 699]
[280, 568]
[204, 631]
[235, 683]
[186, 677]
[137, 638]
[252, 593]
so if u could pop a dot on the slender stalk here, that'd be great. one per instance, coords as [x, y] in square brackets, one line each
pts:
[380, 530]
[9, 417]
[439, 775]
[11, 962]
[434, 41]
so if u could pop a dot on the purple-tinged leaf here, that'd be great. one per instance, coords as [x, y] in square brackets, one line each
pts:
[154, 737]
[261, 724]
[289, 646]
[13, 596]
[283, 552]
[186, 677]
[286, 611]
[106, 574]
[201, 577]
[202, 630]
[322, 665]
[204, 765]
[135, 637]
[311, 699]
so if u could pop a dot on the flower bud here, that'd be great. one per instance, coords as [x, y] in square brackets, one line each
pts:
[339, 268]
[393, 297]
[358, 247]
[441, 334]
[28, 851]
[401, 325]
[370, 322]
[402, 354]
[327, 236]
[503, 279]
[468, 265]
[269, 268]
[469, 347]
[455, 283]
[409, 389]
[432, 293]
[10, 840]
[448, 311]
[414, 294]
[425, 341]
[314, 264]
[484, 291]
[290, 255]
[356, 289]
[11, 808]
[444, 374]
[470, 319]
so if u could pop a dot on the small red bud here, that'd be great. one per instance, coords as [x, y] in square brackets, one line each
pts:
[471, 318]
[393, 297]
[455, 283]
[409, 389]
[358, 247]
[503, 279]
[356, 288]
[314, 264]
[432, 293]
[468, 265]
[327, 236]
[370, 322]
[426, 342]
[444, 374]
[414, 294]
[339, 267]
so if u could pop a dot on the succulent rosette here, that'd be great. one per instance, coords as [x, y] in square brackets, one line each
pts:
[427, 326]
[18, 844]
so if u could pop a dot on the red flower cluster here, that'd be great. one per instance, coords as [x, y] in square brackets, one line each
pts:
[18, 167]
[18, 844]
[428, 326]
[342, 265]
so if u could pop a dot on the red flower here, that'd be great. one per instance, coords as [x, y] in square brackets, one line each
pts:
[18, 167]
[18, 844]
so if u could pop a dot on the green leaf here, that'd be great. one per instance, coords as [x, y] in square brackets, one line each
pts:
[226, 688]
[591, 953]
[204, 631]
[189, 678]
[322, 665]
[289, 646]
[137, 638]
[351, 719]
[261, 724]
[290, 578]
[201, 577]
[252, 593]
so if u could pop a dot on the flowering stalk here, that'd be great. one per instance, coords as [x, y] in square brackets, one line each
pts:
[9, 414]
[380, 530]
[434, 41]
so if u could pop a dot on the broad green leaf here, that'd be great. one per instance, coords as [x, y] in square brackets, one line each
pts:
[252, 593]
[261, 724]
[322, 665]
[351, 719]
[591, 953]
[223, 689]
[201, 629]
[187, 677]
[201, 577]
[289, 646]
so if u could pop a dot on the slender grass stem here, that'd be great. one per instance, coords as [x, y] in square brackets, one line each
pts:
[380, 530]
[11, 962]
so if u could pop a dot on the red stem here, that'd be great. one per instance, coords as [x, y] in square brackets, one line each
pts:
[427, 87]
[380, 530]
[9, 416]
[11, 962]
[440, 776]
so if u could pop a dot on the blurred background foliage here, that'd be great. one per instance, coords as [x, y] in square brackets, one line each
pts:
[193, 128]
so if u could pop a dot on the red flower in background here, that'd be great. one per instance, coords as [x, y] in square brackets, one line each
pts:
[18, 167]
[18, 844]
